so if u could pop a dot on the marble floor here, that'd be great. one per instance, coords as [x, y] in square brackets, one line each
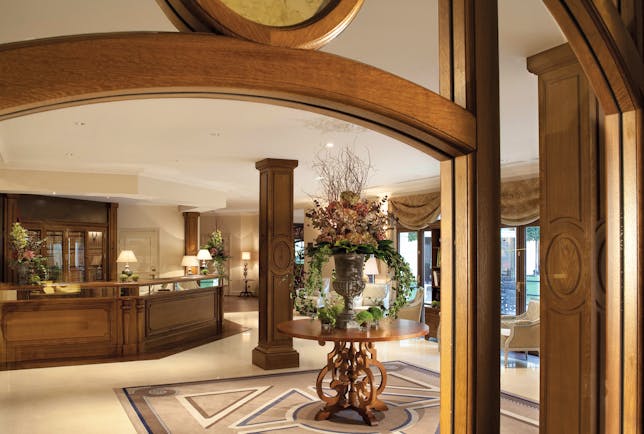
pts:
[80, 399]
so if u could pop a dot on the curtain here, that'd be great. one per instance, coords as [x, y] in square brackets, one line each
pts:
[417, 211]
[520, 202]
[519, 205]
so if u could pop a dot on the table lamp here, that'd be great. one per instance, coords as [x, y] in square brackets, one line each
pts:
[245, 257]
[204, 255]
[371, 269]
[126, 256]
[189, 261]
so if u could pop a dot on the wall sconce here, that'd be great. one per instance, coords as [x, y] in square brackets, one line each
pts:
[371, 269]
[204, 255]
[126, 256]
[245, 256]
[189, 261]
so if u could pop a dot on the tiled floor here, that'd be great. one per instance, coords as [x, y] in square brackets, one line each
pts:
[80, 399]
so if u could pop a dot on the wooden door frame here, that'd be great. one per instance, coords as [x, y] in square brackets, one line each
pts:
[607, 51]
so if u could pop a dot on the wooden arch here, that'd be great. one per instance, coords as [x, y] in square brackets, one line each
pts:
[47, 74]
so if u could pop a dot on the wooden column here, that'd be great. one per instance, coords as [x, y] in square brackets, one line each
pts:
[572, 219]
[470, 245]
[608, 45]
[191, 235]
[276, 258]
[112, 241]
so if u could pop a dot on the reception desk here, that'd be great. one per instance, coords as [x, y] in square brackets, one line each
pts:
[104, 321]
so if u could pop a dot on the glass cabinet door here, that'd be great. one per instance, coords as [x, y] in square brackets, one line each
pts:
[76, 256]
[55, 255]
[94, 250]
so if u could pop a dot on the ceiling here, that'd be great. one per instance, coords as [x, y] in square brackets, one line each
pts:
[200, 153]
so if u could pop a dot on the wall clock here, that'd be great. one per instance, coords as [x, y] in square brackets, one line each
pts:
[284, 23]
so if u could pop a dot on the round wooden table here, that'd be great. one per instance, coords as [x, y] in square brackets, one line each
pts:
[349, 363]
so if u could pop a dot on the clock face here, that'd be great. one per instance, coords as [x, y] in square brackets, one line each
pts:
[277, 13]
[284, 23]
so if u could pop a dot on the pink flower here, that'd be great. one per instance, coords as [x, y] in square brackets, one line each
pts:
[28, 254]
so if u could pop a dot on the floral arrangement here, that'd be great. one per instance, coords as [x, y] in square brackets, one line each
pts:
[26, 258]
[215, 246]
[350, 224]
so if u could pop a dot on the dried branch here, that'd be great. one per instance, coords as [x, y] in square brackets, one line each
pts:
[341, 171]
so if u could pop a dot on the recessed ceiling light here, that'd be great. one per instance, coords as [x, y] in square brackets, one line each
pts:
[54, 193]
[214, 134]
[79, 123]
[329, 145]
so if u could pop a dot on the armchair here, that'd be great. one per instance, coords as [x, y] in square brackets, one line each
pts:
[521, 332]
[413, 309]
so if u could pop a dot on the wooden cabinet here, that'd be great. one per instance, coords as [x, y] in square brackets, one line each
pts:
[78, 244]
[73, 255]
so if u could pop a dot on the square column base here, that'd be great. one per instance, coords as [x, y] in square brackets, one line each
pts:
[276, 358]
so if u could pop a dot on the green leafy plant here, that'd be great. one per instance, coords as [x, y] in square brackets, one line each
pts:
[436, 304]
[215, 245]
[327, 315]
[26, 257]
[364, 317]
[376, 313]
[135, 277]
[303, 298]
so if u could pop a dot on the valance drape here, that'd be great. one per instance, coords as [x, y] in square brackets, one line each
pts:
[519, 205]
[417, 211]
[520, 202]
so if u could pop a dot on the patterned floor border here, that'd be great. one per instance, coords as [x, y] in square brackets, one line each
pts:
[145, 419]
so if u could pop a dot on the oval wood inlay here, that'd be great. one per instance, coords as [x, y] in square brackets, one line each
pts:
[281, 254]
[564, 265]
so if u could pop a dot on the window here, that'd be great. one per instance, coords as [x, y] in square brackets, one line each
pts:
[519, 268]
[420, 250]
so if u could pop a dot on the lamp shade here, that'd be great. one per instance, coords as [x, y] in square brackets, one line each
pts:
[245, 256]
[190, 261]
[204, 255]
[126, 256]
[371, 267]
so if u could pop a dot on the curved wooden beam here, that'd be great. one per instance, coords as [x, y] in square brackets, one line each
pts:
[606, 52]
[50, 73]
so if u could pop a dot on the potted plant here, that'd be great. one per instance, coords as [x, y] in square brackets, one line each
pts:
[377, 314]
[364, 318]
[215, 245]
[351, 227]
[327, 315]
[29, 264]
